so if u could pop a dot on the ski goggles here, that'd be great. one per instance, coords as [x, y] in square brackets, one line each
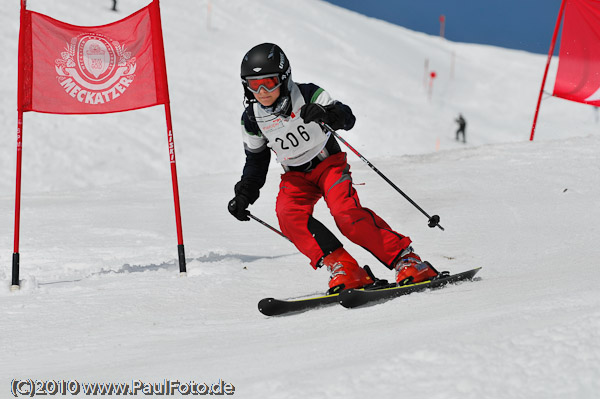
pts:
[267, 82]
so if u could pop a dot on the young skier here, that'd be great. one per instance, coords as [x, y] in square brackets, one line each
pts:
[284, 117]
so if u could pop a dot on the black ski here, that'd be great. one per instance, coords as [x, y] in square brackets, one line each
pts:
[274, 307]
[357, 297]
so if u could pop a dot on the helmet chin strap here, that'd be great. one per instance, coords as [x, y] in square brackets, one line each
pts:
[283, 106]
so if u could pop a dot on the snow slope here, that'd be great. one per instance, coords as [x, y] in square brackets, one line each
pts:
[101, 299]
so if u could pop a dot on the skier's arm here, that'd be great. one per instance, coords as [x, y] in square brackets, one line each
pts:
[254, 174]
[258, 156]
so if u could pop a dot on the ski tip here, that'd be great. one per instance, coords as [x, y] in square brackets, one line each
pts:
[474, 271]
[266, 306]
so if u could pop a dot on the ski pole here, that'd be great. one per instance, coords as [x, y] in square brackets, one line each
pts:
[267, 225]
[433, 220]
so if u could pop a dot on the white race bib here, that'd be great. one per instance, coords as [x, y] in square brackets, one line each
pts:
[293, 141]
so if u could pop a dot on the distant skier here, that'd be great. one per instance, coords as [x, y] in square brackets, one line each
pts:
[114, 7]
[462, 127]
[283, 117]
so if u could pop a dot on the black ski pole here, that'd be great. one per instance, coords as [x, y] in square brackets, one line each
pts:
[433, 220]
[267, 225]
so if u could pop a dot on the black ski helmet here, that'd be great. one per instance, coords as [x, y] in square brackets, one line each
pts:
[265, 59]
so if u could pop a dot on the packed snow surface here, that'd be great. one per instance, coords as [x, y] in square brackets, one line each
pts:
[101, 298]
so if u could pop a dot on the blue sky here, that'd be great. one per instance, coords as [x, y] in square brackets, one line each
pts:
[518, 24]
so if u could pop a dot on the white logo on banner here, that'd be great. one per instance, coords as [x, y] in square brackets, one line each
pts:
[95, 70]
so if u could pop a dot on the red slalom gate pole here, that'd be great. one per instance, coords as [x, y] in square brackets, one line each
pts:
[15, 285]
[158, 42]
[442, 25]
[180, 247]
[432, 76]
[554, 36]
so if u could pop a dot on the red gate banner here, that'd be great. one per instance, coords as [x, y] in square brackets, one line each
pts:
[70, 69]
[578, 76]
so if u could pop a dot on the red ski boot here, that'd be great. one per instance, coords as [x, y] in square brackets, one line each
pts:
[345, 271]
[410, 269]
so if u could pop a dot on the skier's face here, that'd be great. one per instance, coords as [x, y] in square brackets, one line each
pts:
[265, 98]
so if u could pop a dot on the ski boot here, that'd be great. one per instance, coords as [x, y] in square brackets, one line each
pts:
[410, 269]
[345, 271]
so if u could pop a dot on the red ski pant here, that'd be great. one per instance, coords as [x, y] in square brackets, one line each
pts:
[331, 179]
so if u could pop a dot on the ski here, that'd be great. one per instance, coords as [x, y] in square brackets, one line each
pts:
[275, 307]
[358, 297]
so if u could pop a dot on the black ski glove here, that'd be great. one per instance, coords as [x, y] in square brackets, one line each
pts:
[328, 114]
[314, 112]
[238, 207]
[246, 193]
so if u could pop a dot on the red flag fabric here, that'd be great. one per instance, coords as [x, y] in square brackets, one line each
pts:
[68, 69]
[578, 76]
